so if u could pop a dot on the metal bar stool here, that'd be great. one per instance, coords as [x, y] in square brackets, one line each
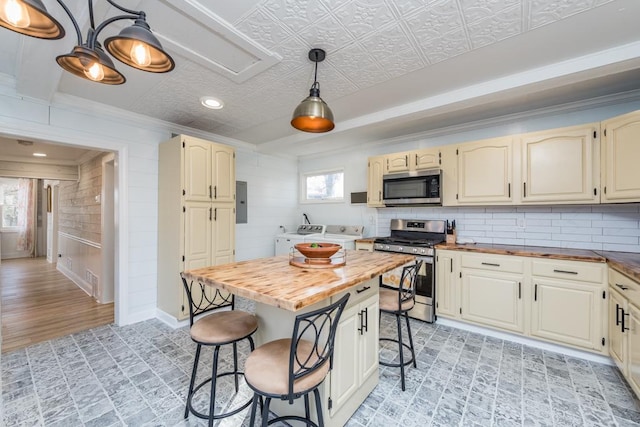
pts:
[220, 327]
[398, 301]
[293, 367]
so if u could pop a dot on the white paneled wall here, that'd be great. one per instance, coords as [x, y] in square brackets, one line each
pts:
[599, 227]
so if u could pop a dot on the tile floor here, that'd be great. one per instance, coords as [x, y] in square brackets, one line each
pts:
[138, 375]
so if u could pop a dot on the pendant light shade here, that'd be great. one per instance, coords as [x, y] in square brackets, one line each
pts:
[137, 47]
[29, 17]
[313, 114]
[91, 64]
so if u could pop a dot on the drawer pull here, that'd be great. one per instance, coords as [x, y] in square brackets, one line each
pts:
[622, 287]
[565, 271]
[491, 264]
[359, 291]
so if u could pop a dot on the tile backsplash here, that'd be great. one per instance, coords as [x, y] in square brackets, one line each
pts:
[597, 227]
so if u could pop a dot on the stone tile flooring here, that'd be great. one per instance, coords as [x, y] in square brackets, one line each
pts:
[138, 375]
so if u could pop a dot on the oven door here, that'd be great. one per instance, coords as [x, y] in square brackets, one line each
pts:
[425, 289]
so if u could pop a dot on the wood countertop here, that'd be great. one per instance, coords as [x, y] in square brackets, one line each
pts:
[529, 251]
[625, 262]
[273, 281]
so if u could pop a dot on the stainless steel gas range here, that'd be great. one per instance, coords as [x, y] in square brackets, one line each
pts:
[416, 237]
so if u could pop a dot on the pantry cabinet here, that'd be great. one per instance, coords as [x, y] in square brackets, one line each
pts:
[620, 154]
[484, 172]
[561, 165]
[196, 214]
[624, 326]
[376, 168]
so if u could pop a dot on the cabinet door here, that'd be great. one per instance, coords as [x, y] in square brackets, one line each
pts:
[620, 152]
[224, 225]
[617, 340]
[197, 171]
[567, 312]
[425, 159]
[397, 162]
[633, 374]
[561, 165]
[485, 172]
[197, 235]
[344, 375]
[493, 299]
[374, 189]
[446, 303]
[224, 176]
[369, 339]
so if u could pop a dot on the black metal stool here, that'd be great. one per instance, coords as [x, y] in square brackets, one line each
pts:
[290, 368]
[220, 327]
[398, 301]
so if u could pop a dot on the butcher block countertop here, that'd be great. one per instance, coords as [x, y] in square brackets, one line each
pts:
[625, 262]
[274, 282]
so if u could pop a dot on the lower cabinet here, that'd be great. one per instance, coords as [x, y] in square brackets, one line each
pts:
[355, 371]
[560, 301]
[624, 326]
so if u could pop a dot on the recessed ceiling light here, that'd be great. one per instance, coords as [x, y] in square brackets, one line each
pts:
[39, 155]
[211, 102]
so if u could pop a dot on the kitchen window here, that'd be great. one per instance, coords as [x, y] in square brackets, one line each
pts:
[324, 186]
[9, 204]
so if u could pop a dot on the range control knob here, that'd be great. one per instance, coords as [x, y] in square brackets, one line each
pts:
[415, 250]
[342, 229]
[400, 249]
[386, 247]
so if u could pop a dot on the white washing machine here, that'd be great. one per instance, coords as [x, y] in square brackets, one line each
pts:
[286, 241]
[344, 235]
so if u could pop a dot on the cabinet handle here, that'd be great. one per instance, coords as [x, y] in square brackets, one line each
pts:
[491, 264]
[210, 192]
[622, 287]
[617, 315]
[363, 321]
[379, 195]
[535, 293]
[509, 189]
[416, 160]
[451, 263]
[623, 328]
[565, 271]
[519, 290]
[215, 191]
[361, 327]
[366, 319]
[209, 214]
[525, 189]
[406, 160]
[359, 291]
[215, 214]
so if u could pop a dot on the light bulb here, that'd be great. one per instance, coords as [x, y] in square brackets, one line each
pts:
[140, 54]
[94, 72]
[15, 13]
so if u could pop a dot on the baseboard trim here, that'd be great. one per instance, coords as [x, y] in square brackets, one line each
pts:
[169, 320]
[542, 345]
[81, 283]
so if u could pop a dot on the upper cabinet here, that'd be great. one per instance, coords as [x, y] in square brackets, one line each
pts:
[209, 172]
[620, 154]
[561, 165]
[375, 169]
[407, 161]
[484, 172]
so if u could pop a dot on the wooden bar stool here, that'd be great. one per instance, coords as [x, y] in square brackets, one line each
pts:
[219, 327]
[293, 367]
[398, 301]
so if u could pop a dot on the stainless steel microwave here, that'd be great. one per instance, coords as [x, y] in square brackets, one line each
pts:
[412, 188]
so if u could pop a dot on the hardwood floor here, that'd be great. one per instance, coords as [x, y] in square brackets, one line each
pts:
[38, 303]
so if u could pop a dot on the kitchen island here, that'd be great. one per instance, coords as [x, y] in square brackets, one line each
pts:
[281, 291]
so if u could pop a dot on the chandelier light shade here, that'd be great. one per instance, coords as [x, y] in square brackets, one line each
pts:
[313, 114]
[135, 46]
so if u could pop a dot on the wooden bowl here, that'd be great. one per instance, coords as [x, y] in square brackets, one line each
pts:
[322, 250]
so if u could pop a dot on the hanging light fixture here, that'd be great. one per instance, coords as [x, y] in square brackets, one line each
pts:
[313, 114]
[135, 46]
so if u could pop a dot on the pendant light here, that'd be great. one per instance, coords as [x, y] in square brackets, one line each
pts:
[135, 46]
[313, 114]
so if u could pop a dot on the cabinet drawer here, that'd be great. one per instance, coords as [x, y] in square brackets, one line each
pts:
[360, 292]
[494, 263]
[627, 287]
[577, 271]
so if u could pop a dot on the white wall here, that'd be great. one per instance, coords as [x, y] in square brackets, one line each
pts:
[600, 227]
[9, 242]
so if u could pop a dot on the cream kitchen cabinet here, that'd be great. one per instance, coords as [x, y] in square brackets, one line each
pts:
[491, 291]
[376, 168]
[561, 165]
[196, 214]
[355, 372]
[407, 161]
[447, 283]
[624, 326]
[397, 162]
[620, 154]
[485, 172]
